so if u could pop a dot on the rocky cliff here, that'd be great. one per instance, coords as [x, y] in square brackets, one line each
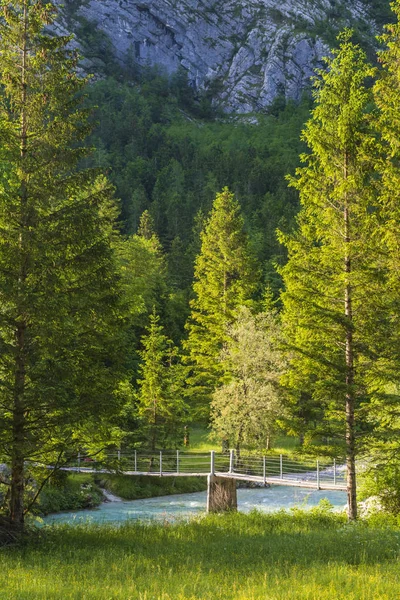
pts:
[250, 51]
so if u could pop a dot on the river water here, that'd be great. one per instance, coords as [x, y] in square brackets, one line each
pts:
[183, 506]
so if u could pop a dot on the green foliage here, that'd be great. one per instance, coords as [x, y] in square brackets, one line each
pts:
[331, 277]
[76, 492]
[143, 278]
[379, 11]
[384, 382]
[133, 488]
[382, 481]
[246, 408]
[173, 162]
[161, 408]
[59, 317]
[225, 278]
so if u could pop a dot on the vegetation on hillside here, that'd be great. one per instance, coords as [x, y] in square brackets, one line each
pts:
[119, 333]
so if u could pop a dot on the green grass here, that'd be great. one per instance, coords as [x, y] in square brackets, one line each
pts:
[200, 442]
[222, 557]
[285, 444]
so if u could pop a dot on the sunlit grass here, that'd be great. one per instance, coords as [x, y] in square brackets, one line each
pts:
[234, 557]
[202, 441]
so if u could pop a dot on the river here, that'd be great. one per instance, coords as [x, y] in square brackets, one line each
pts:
[170, 508]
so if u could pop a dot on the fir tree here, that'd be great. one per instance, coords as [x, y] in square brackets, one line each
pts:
[331, 276]
[224, 279]
[384, 375]
[161, 408]
[59, 314]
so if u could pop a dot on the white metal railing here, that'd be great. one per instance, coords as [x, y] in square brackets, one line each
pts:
[265, 469]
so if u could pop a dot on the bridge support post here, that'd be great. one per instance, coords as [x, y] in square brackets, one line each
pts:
[212, 462]
[221, 494]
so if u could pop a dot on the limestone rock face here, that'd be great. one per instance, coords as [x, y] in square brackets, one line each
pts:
[250, 51]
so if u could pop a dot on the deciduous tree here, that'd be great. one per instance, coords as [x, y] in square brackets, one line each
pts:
[247, 407]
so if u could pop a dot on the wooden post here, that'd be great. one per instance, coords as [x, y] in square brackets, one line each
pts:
[135, 465]
[119, 458]
[79, 462]
[160, 463]
[265, 469]
[318, 475]
[281, 466]
[177, 461]
[334, 471]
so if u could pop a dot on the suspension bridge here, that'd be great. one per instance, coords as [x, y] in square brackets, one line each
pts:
[222, 469]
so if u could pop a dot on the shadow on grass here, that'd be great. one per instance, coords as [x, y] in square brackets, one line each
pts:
[247, 543]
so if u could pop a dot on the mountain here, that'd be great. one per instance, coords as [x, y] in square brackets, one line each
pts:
[245, 52]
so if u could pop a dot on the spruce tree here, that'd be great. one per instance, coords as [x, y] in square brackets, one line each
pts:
[59, 314]
[224, 279]
[384, 375]
[161, 408]
[331, 275]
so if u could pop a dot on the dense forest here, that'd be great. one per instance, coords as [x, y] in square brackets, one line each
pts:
[163, 264]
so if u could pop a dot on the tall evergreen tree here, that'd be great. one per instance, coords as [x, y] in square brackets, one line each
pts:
[384, 375]
[331, 275]
[59, 311]
[224, 279]
[161, 408]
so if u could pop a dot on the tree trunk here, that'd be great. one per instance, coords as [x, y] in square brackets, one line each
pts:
[17, 489]
[350, 403]
[17, 453]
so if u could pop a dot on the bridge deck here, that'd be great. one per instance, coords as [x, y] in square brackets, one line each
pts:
[273, 470]
[286, 480]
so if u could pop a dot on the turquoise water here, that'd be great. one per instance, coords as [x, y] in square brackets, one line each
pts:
[170, 508]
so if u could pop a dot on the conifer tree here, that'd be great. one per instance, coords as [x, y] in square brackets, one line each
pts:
[224, 279]
[59, 314]
[161, 407]
[143, 270]
[384, 375]
[331, 275]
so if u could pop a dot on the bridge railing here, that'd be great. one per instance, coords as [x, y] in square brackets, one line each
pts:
[271, 468]
[284, 468]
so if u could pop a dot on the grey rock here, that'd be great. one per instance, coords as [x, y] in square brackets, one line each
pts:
[255, 49]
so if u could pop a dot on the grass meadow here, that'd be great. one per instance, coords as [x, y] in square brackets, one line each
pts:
[201, 440]
[281, 556]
